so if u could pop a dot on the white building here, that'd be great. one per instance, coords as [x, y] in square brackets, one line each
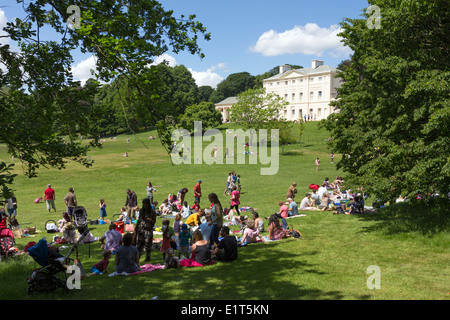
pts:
[309, 92]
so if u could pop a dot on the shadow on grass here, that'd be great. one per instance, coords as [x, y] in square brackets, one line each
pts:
[427, 219]
[262, 272]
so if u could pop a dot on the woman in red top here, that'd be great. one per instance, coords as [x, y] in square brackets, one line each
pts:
[235, 195]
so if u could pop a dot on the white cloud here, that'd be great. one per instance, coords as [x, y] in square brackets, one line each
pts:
[202, 78]
[167, 57]
[82, 70]
[309, 39]
[206, 78]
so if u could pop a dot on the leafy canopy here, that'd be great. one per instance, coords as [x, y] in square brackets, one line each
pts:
[393, 121]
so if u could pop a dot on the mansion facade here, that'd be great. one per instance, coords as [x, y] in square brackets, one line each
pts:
[308, 91]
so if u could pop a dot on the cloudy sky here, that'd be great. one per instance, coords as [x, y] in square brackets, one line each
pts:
[252, 36]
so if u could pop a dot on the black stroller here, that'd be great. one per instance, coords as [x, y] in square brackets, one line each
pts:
[52, 274]
[80, 216]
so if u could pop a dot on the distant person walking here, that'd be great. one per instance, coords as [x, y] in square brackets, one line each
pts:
[49, 194]
[71, 201]
[317, 164]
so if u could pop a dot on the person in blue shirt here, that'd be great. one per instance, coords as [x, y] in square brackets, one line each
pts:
[293, 207]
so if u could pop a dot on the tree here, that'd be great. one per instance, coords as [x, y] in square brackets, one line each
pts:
[255, 109]
[205, 92]
[392, 125]
[233, 85]
[44, 111]
[204, 112]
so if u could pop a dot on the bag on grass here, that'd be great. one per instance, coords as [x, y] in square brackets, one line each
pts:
[291, 232]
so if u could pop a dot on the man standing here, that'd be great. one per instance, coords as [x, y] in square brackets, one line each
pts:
[49, 194]
[71, 201]
[198, 190]
[131, 204]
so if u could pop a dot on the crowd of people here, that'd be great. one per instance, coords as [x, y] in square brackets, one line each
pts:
[329, 196]
[199, 234]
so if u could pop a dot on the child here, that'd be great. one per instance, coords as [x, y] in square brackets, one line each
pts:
[167, 237]
[102, 209]
[123, 215]
[177, 225]
[185, 238]
[102, 266]
[164, 208]
[317, 164]
[171, 262]
[186, 210]
[196, 206]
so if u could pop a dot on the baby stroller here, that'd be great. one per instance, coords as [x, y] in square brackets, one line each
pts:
[52, 274]
[80, 216]
[7, 243]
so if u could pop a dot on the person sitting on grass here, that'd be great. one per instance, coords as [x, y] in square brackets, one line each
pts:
[201, 252]
[127, 256]
[307, 203]
[113, 239]
[356, 206]
[251, 234]
[171, 262]
[276, 231]
[102, 266]
[293, 207]
[227, 249]
[259, 222]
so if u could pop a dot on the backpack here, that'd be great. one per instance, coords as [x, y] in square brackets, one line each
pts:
[291, 232]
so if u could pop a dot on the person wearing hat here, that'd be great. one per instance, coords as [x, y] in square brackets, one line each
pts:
[71, 201]
[198, 190]
[49, 194]
[185, 239]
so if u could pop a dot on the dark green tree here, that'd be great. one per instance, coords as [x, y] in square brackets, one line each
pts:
[44, 110]
[392, 127]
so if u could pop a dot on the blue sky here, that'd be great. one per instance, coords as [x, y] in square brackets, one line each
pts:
[248, 35]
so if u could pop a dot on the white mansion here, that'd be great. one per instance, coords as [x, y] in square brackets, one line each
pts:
[309, 92]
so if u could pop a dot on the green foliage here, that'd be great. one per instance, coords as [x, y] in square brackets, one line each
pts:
[204, 112]
[45, 112]
[392, 126]
[233, 85]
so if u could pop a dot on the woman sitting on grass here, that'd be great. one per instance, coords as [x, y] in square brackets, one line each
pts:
[276, 231]
[127, 256]
[201, 252]
[251, 233]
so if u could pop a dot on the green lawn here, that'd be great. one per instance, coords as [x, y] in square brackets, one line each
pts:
[409, 244]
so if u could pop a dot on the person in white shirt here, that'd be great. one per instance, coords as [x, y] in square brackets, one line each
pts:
[306, 203]
[322, 190]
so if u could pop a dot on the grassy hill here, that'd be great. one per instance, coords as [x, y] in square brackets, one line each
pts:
[331, 261]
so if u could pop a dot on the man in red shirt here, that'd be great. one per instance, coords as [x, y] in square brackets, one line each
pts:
[198, 190]
[50, 197]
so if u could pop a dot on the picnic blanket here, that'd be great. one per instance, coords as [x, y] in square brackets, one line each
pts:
[144, 268]
[296, 216]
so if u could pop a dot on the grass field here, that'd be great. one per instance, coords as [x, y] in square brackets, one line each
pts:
[410, 244]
